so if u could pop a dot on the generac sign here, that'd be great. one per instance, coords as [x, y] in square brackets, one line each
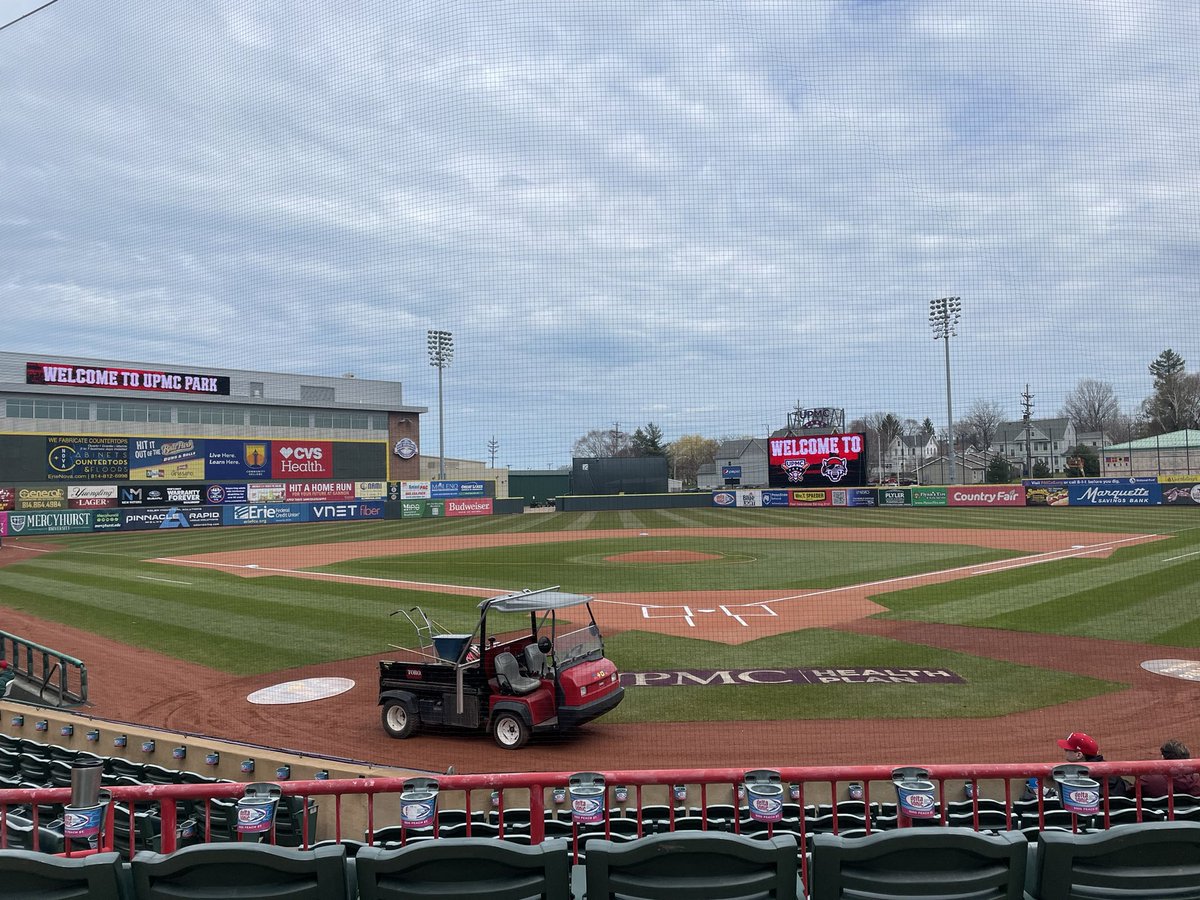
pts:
[986, 495]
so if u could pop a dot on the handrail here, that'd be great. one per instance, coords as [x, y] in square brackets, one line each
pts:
[22, 659]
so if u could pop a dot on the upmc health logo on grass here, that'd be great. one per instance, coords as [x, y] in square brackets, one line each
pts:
[301, 459]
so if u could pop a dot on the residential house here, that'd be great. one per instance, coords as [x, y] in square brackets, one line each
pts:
[970, 468]
[908, 452]
[747, 456]
[1038, 440]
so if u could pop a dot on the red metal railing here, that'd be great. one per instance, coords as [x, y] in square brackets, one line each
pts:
[810, 782]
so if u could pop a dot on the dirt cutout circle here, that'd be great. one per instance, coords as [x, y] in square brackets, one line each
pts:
[663, 556]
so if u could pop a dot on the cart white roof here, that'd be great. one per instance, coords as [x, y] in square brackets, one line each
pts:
[535, 601]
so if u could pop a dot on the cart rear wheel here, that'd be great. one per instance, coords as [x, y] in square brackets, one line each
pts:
[510, 731]
[398, 719]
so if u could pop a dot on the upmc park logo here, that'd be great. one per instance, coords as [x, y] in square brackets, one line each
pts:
[301, 459]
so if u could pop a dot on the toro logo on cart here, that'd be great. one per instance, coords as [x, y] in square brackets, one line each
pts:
[301, 459]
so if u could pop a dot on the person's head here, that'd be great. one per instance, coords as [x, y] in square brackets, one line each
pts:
[3, 664]
[1175, 749]
[1078, 746]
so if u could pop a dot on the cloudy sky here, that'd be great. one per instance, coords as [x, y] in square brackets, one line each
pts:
[693, 213]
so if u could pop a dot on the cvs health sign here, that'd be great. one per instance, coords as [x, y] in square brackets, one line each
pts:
[301, 459]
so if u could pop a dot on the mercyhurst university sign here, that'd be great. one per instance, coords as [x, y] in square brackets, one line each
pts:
[707, 677]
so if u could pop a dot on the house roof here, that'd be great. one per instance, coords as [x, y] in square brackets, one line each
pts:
[1043, 429]
[736, 449]
[1175, 440]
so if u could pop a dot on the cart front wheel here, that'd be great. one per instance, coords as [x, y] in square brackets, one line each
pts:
[398, 720]
[510, 731]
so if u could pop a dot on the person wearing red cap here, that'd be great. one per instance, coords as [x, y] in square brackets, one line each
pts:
[1082, 748]
[6, 677]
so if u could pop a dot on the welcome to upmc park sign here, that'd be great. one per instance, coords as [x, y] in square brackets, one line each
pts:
[120, 379]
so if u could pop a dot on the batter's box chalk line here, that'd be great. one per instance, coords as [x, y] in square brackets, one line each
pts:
[688, 614]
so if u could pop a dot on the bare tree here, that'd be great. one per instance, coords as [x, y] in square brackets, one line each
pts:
[1092, 405]
[982, 421]
[601, 443]
[688, 454]
[883, 428]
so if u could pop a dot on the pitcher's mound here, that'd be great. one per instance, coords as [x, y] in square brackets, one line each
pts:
[663, 556]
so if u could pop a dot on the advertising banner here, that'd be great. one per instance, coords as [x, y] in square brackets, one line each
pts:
[166, 459]
[237, 460]
[1114, 492]
[414, 490]
[301, 459]
[929, 496]
[435, 508]
[371, 490]
[314, 491]
[411, 509]
[125, 379]
[731, 472]
[986, 495]
[809, 498]
[774, 498]
[1045, 492]
[749, 499]
[3, 524]
[171, 517]
[266, 493]
[861, 497]
[828, 460]
[216, 494]
[91, 496]
[107, 520]
[894, 497]
[1181, 493]
[8, 498]
[187, 470]
[469, 506]
[87, 459]
[1179, 479]
[456, 489]
[353, 509]
[41, 498]
[727, 499]
[263, 513]
[68, 522]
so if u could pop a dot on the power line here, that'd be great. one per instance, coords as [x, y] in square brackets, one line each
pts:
[28, 14]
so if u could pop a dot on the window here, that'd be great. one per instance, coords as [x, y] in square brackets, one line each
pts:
[259, 417]
[20, 409]
[379, 423]
[131, 412]
[298, 419]
[108, 412]
[187, 415]
[158, 414]
[222, 415]
[256, 389]
[77, 409]
[322, 420]
[48, 409]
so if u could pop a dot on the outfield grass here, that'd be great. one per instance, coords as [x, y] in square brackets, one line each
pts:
[104, 584]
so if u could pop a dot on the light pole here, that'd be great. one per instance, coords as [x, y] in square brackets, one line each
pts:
[944, 314]
[441, 352]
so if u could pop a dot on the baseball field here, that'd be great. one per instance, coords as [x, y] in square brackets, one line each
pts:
[868, 636]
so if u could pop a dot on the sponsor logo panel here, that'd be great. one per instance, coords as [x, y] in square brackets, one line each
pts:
[894, 497]
[109, 520]
[87, 458]
[809, 498]
[190, 470]
[312, 491]
[237, 460]
[412, 509]
[1114, 492]
[986, 495]
[324, 512]
[216, 494]
[414, 490]
[724, 498]
[266, 493]
[8, 498]
[3, 524]
[774, 498]
[371, 490]
[301, 459]
[68, 522]
[749, 499]
[469, 506]
[928, 496]
[171, 517]
[862, 497]
[1181, 493]
[41, 497]
[263, 513]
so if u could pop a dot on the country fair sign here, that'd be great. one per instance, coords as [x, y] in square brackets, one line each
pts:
[709, 677]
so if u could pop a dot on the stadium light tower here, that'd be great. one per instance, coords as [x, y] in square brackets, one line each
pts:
[944, 314]
[441, 352]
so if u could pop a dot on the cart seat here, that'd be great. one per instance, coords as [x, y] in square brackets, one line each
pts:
[509, 677]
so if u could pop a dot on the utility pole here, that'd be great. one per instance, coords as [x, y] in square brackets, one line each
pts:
[1026, 416]
[493, 446]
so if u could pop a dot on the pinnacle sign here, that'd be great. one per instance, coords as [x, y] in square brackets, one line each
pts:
[821, 460]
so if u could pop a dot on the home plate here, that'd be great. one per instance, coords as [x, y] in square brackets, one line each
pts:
[303, 691]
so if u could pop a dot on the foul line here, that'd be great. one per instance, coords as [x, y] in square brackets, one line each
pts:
[1173, 558]
[164, 580]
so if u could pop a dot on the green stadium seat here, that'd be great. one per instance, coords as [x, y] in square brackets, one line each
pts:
[931, 863]
[693, 866]
[38, 876]
[246, 871]
[1157, 859]
[465, 868]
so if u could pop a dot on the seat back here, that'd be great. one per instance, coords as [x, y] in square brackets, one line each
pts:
[33, 876]
[535, 661]
[1155, 859]
[466, 868]
[508, 674]
[215, 871]
[929, 862]
[691, 866]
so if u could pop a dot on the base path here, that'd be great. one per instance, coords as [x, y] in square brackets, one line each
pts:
[135, 685]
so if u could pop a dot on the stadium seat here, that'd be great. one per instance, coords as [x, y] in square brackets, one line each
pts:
[20, 834]
[466, 868]
[950, 863]
[38, 876]
[692, 866]
[1157, 859]
[248, 871]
